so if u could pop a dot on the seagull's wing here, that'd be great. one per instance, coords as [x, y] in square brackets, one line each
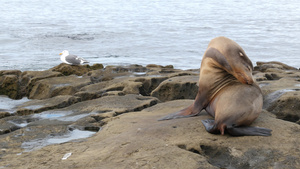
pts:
[73, 59]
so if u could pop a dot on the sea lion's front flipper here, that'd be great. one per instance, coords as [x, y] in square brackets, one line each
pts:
[193, 110]
[249, 131]
[187, 112]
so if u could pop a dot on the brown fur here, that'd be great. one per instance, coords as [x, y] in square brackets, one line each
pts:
[226, 88]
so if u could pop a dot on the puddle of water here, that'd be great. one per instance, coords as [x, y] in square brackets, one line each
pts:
[139, 73]
[74, 118]
[263, 84]
[73, 135]
[19, 135]
[298, 85]
[21, 125]
[39, 143]
[135, 75]
[125, 76]
[61, 85]
[34, 107]
[53, 115]
[154, 76]
[61, 115]
[9, 105]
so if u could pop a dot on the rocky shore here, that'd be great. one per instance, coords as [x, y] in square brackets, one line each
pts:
[96, 117]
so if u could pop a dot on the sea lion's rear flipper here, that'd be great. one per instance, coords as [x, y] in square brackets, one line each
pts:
[212, 128]
[249, 131]
[187, 112]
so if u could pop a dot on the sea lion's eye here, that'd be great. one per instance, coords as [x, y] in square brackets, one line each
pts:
[241, 54]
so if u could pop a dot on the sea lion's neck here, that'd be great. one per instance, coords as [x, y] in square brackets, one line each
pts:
[213, 79]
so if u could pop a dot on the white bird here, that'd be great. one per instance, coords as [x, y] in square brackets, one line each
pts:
[71, 59]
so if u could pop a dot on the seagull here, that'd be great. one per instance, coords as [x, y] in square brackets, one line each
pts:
[71, 59]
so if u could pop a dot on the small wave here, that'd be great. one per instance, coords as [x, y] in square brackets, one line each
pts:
[115, 56]
[80, 36]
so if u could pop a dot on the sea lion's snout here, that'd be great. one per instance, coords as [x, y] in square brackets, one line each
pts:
[243, 73]
[250, 81]
[244, 78]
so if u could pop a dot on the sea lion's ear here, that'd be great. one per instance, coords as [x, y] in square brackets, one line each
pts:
[217, 56]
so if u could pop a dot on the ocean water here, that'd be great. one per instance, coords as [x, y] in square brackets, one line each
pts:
[119, 32]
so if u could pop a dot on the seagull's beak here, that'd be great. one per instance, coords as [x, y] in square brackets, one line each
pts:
[60, 54]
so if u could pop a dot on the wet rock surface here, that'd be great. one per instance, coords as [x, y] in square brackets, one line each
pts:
[94, 116]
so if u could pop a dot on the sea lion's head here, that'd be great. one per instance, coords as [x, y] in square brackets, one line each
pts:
[232, 58]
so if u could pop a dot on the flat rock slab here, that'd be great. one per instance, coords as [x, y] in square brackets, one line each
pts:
[37, 106]
[33, 76]
[138, 140]
[118, 104]
[50, 87]
[83, 116]
[78, 70]
[180, 87]
[121, 86]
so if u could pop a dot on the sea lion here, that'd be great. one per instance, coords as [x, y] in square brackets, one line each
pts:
[226, 91]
